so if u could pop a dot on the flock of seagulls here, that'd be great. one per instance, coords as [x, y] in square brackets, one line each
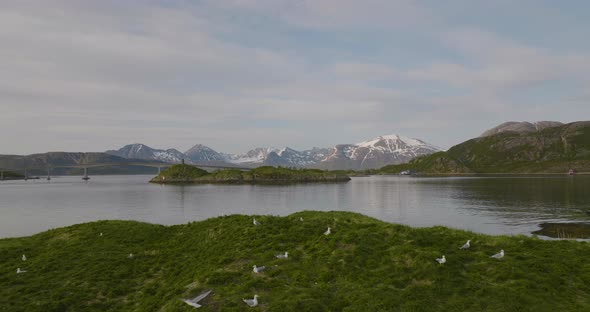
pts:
[256, 269]
[443, 260]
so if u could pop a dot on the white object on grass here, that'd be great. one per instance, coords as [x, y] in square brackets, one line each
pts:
[283, 256]
[251, 302]
[467, 245]
[499, 255]
[195, 301]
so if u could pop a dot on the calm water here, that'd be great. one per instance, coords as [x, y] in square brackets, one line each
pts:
[499, 205]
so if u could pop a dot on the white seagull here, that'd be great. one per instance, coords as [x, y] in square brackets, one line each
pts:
[255, 222]
[441, 260]
[281, 256]
[256, 269]
[195, 301]
[100, 234]
[467, 245]
[24, 258]
[18, 271]
[301, 219]
[499, 255]
[251, 302]
[130, 256]
[327, 232]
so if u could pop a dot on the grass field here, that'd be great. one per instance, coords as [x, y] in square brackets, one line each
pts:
[364, 265]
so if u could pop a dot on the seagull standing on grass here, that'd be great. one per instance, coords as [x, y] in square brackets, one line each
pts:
[251, 302]
[24, 258]
[301, 219]
[281, 256]
[255, 222]
[256, 269]
[327, 232]
[195, 301]
[499, 255]
[467, 245]
[18, 271]
[100, 234]
[130, 256]
[441, 260]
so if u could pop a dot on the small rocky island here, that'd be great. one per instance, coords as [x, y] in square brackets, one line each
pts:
[187, 174]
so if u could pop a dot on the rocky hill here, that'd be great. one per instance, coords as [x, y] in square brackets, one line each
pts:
[521, 127]
[141, 151]
[550, 150]
[389, 149]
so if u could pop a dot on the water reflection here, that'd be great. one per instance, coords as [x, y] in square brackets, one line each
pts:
[502, 205]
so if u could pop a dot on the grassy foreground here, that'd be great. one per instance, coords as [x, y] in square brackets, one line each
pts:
[364, 265]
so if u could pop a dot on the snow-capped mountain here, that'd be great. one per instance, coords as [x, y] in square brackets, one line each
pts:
[376, 153]
[252, 157]
[203, 154]
[141, 151]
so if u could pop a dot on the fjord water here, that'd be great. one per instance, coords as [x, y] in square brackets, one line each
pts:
[491, 205]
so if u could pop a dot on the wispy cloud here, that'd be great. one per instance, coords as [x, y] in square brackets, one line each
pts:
[91, 75]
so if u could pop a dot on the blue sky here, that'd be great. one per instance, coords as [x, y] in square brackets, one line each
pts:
[237, 74]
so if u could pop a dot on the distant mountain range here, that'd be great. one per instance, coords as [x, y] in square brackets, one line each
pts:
[374, 153]
[541, 147]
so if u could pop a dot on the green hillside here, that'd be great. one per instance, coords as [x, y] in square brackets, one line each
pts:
[551, 150]
[260, 175]
[364, 265]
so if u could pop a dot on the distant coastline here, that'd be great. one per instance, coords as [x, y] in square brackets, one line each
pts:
[187, 174]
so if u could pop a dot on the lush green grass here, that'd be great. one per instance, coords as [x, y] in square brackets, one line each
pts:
[364, 265]
[266, 174]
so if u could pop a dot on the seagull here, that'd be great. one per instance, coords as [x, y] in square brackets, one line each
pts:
[130, 256]
[467, 245]
[100, 234]
[441, 260]
[251, 302]
[327, 232]
[281, 256]
[24, 258]
[255, 222]
[258, 269]
[498, 255]
[301, 219]
[18, 271]
[195, 301]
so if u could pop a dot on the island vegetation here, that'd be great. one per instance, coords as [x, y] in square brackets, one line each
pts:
[363, 265]
[183, 173]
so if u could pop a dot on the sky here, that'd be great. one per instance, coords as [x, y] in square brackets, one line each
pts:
[237, 74]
